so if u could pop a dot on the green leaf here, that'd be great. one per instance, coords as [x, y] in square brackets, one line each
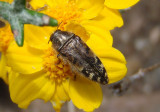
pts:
[17, 15]
[18, 31]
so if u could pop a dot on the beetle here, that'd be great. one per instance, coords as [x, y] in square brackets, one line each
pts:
[71, 48]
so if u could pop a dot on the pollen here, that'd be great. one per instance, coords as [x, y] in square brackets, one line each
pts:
[6, 37]
[65, 13]
[56, 69]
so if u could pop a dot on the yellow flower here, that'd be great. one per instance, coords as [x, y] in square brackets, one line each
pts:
[120, 4]
[36, 71]
[42, 76]
[89, 19]
[87, 13]
[6, 37]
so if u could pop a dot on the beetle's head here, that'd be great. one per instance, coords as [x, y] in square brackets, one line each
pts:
[58, 38]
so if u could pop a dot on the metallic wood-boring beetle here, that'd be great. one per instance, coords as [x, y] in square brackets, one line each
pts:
[79, 55]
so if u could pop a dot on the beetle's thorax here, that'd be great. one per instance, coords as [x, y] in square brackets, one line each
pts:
[59, 38]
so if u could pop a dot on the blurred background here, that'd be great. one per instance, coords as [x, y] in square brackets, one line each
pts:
[139, 41]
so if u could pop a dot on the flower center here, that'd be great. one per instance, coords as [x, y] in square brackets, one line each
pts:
[65, 13]
[6, 37]
[57, 70]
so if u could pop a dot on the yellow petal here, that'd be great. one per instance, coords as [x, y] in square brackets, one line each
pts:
[107, 19]
[26, 88]
[85, 94]
[24, 59]
[78, 30]
[38, 37]
[96, 42]
[114, 62]
[3, 68]
[99, 32]
[120, 4]
[61, 95]
[36, 4]
[91, 7]
[9, 1]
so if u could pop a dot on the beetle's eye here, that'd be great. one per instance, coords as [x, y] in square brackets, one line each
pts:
[51, 38]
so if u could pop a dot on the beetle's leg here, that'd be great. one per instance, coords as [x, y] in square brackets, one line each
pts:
[58, 60]
[58, 55]
[49, 41]
[75, 76]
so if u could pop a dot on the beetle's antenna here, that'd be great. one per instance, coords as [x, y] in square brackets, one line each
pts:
[59, 24]
[49, 41]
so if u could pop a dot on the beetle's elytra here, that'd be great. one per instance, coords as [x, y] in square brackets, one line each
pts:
[77, 53]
